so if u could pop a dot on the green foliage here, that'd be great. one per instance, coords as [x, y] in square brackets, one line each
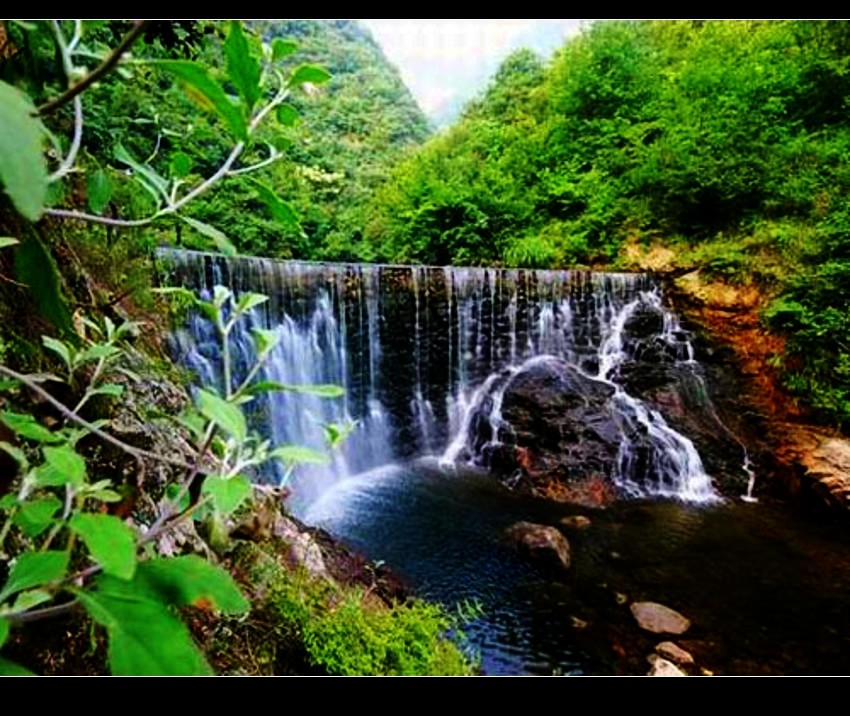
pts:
[814, 314]
[131, 596]
[344, 632]
[725, 140]
[37, 269]
[208, 93]
[145, 638]
[111, 543]
[23, 170]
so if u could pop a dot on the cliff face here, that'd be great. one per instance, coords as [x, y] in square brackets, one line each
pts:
[794, 454]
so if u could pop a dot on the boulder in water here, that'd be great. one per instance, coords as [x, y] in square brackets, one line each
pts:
[560, 430]
[543, 544]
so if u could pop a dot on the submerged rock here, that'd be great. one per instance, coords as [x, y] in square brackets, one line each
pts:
[659, 619]
[542, 544]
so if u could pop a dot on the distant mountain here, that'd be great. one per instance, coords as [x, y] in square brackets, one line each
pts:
[351, 133]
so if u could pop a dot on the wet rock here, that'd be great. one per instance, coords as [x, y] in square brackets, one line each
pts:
[542, 544]
[659, 619]
[662, 667]
[575, 522]
[558, 430]
[674, 653]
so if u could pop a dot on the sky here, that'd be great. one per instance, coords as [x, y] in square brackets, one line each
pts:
[445, 63]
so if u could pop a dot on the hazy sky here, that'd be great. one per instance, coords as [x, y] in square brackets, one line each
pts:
[447, 62]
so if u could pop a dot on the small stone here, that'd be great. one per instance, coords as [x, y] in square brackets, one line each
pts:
[616, 555]
[576, 522]
[662, 667]
[621, 598]
[659, 619]
[674, 653]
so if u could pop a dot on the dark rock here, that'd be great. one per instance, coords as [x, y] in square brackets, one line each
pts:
[542, 544]
[559, 427]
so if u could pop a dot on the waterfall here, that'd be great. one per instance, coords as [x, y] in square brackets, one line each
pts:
[419, 350]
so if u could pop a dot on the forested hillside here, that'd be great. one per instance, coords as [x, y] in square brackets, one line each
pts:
[725, 141]
[346, 138]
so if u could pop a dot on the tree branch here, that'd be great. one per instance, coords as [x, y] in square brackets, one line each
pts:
[98, 72]
[69, 414]
[68, 65]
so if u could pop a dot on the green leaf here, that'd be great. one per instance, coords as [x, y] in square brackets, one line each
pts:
[266, 340]
[336, 433]
[226, 415]
[10, 668]
[322, 390]
[106, 495]
[156, 184]
[173, 492]
[191, 580]
[247, 301]
[112, 389]
[99, 191]
[145, 638]
[33, 569]
[202, 88]
[8, 501]
[35, 516]
[23, 170]
[4, 631]
[35, 266]
[227, 493]
[221, 295]
[96, 352]
[243, 69]
[280, 210]
[28, 427]
[60, 348]
[110, 542]
[308, 73]
[67, 463]
[30, 599]
[7, 241]
[14, 452]
[282, 48]
[181, 164]
[222, 243]
[292, 455]
[287, 115]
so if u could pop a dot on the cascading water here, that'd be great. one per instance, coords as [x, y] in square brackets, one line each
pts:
[422, 351]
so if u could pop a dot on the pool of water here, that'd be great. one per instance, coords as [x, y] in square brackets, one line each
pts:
[767, 590]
